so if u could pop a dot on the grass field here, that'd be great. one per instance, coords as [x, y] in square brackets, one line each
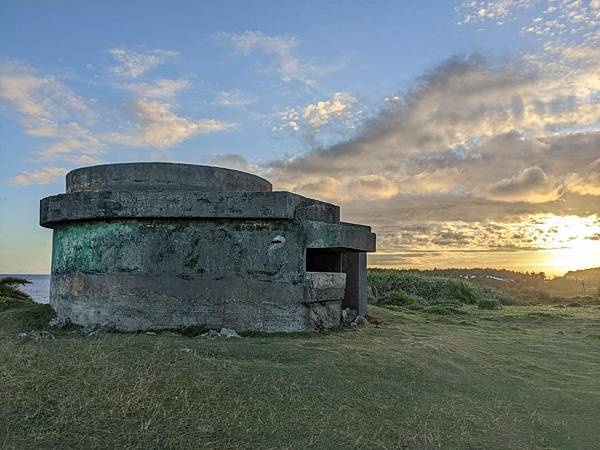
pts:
[517, 377]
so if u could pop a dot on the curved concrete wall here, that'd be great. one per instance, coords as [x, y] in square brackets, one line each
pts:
[158, 274]
[154, 176]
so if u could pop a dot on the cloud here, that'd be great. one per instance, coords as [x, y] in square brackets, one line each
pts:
[466, 158]
[234, 99]
[334, 116]
[587, 182]
[45, 175]
[79, 131]
[162, 89]
[133, 64]
[531, 185]
[38, 99]
[47, 108]
[496, 10]
[159, 127]
[237, 162]
[322, 112]
[289, 66]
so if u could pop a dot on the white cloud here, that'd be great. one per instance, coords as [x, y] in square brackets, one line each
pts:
[290, 66]
[159, 127]
[322, 112]
[38, 97]
[47, 108]
[163, 89]
[133, 64]
[234, 99]
[495, 10]
[335, 114]
[44, 175]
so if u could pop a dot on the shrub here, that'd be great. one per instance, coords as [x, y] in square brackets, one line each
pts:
[400, 287]
[484, 303]
[399, 297]
[10, 292]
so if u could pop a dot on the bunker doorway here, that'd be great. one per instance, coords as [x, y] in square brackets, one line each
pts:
[323, 260]
[352, 263]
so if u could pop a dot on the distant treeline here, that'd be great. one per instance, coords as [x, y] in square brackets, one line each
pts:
[531, 286]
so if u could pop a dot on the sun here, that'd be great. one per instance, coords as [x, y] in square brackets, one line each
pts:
[580, 255]
[568, 242]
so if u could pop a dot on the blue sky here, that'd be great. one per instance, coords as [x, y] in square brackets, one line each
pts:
[329, 99]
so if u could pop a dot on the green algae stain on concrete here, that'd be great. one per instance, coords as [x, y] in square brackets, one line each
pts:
[191, 247]
[95, 247]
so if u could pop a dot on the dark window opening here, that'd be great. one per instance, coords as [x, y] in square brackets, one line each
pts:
[323, 260]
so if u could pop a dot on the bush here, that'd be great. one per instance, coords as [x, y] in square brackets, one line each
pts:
[9, 291]
[484, 303]
[399, 287]
[399, 297]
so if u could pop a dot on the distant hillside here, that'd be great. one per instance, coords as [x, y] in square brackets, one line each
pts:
[584, 275]
[527, 285]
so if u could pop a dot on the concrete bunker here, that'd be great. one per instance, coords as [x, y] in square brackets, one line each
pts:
[143, 246]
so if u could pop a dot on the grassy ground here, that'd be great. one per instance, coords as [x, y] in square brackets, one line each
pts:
[518, 377]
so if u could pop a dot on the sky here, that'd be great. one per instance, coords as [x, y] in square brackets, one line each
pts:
[466, 133]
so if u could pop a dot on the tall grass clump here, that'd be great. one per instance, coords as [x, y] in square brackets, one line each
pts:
[389, 286]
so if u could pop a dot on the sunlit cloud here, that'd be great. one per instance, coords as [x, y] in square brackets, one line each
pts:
[45, 175]
[158, 126]
[334, 117]
[80, 132]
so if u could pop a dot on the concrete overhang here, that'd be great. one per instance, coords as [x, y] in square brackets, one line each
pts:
[107, 205]
[342, 235]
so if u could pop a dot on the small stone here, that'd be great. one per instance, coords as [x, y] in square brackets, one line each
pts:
[348, 316]
[90, 330]
[36, 335]
[359, 321]
[58, 323]
[150, 333]
[229, 333]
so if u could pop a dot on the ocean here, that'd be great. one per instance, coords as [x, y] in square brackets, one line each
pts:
[39, 289]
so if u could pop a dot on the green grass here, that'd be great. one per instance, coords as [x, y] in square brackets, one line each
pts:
[388, 286]
[518, 377]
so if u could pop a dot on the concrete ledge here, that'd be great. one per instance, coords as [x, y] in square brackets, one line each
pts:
[103, 205]
[159, 176]
[342, 235]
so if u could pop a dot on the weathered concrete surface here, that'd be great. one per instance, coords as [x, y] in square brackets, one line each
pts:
[155, 176]
[355, 296]
[154, 246]
[340, 235]
[79, 206]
